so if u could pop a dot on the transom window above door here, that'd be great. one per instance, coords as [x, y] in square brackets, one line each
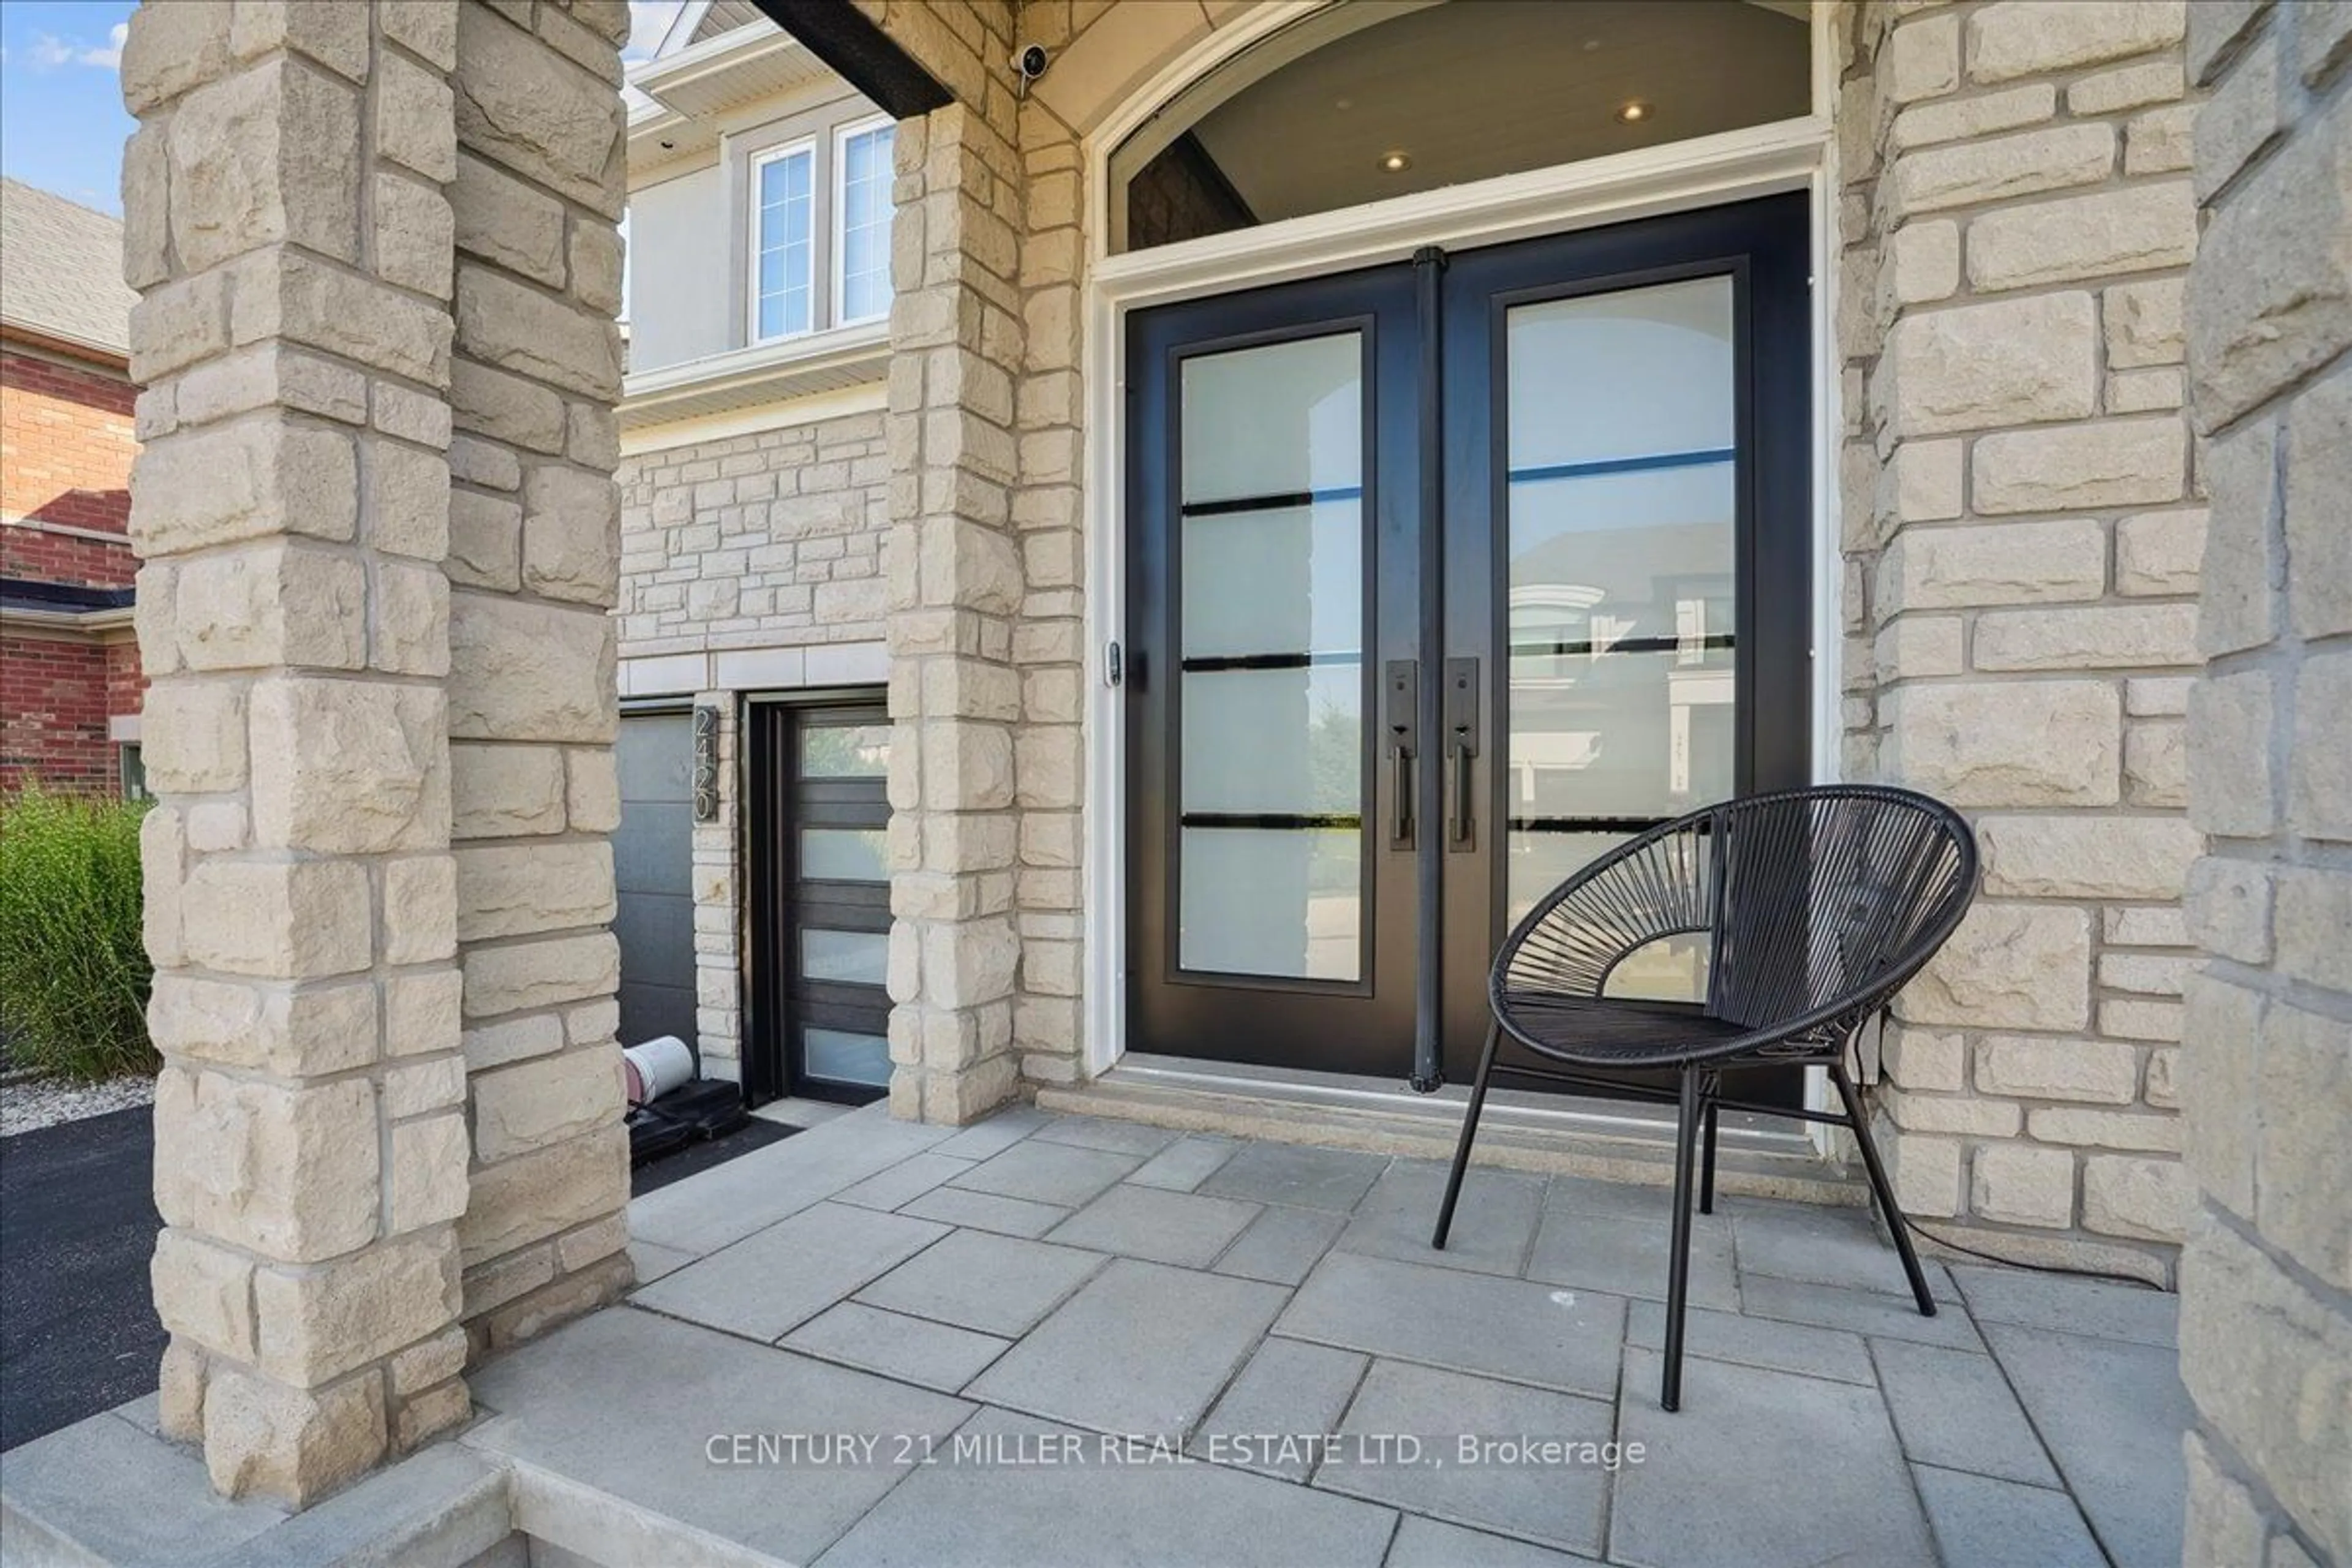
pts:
[821, 211]
[1355, 103]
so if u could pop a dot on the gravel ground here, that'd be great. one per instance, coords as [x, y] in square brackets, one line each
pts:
[29, 1102]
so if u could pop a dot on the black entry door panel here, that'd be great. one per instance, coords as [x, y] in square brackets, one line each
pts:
[1443, 577]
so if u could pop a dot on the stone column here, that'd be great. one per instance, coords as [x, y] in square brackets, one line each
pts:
[537, 166]
[956, 586]
[2023, 538]
[2266, 1056]
[287, 224]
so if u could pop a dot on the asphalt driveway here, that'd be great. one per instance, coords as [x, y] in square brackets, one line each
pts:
[78, 1222]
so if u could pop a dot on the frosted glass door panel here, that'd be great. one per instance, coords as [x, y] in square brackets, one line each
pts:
[1271, 690]
[1275, 421]
[1287, 902]
[1285, 579]
[850, 957]
[1623, 504]
[844, 1056]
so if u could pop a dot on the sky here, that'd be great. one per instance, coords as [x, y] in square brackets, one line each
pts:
[62, 123]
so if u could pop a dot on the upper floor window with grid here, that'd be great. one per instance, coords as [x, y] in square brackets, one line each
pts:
[785, 243]
[863, 214]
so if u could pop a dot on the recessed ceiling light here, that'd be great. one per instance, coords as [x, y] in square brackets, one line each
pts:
[1343, 104]
[1633, 113]
[1591, 45]
[1395, 162]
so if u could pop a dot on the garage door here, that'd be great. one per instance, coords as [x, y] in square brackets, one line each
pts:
[653, 870]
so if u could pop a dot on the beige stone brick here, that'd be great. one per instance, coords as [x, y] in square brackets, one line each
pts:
[2271, 298]
[2008, 966]
[2215, 29]
[2303, 1200]
[286, 1172]
[2161, 141]
[510, 325]
[520, 891]
[1925, 1059]
[2018, 1184]
[279, 919]
[203, 1293]
[246, 479]
[283, 293]
[2103, 1129]
[544, 1101]
[408, 619]
[2126, 87]
[1967, 1116]
[425, 1415]
[2319, 762]
[2109, 637]
[287, 1033]
[1914, 646]
[421, 1012]
[318, 1322]
[2086, 857]
[2045, 742]
[2098, 1071]
[2323, 42]
[2136, 1196]
[2145, 322]
[409, 509]
[2147, 390]
[271, 603]
[270, 153]
[1926, 1175]
[2001, 168]
[2156, 765]
[263, 1438]
[592, 789]
[521, 976]
[2270, 1366]
[485, 542]
[1993, 563]
[538, 1194]
[2221, 1029]
[427, 1181]
[2011, 362]
[2318, 478]
[2231, 790]
[337, 40]
[507, 791]
[419, 908]
[172, 48]
[2311, 910]
[433, 1360]
[348, 766]
[414, 235]
[2135, 229]
[412, 125]
[503, 407]
[267, 373]
[427, 27]
[2112, 463]
[2227, 906]
[521, 671]
[2223, 1524]
[495, 1045]
[2240, 121]
[501, 219]
[2139, 1018]
[2025, 38]
[2160, 553]
[1976, 115]
[570, 538]
[193, 736]
[1922, 59]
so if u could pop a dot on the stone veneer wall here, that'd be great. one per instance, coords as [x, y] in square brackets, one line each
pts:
[335, 1201]
[534, 549]
[2022, 529]
[745, 546]
[2266, 1282]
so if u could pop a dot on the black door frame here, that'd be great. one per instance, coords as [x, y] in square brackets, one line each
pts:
[1425, 453]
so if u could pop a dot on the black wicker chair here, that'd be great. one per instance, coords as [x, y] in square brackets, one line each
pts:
[1819, 903]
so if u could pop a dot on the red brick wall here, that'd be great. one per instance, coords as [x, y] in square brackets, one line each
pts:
[53, 698]
[66, 445]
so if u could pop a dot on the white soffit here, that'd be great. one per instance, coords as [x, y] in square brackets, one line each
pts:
[764, 373]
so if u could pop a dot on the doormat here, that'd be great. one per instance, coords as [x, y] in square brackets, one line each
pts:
[755, 1133]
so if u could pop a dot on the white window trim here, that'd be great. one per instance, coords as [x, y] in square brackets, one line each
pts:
[1784, 155]
[752, 337]
[839, 237]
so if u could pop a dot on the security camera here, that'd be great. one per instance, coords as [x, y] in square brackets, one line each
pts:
[1029, 62]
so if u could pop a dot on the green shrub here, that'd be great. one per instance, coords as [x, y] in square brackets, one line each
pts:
[73, 968]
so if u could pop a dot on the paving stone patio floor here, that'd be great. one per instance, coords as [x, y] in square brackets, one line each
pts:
[1092, 1342]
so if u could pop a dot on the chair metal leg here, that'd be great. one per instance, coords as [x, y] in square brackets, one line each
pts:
[1469, 1131]
[1883, 1193]
[1686, 1137]
[1706, 1158]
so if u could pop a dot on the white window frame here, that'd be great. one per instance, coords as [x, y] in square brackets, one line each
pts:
[838, 236]
[752, 206]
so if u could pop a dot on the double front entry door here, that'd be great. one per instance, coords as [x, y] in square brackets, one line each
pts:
[1445, 576]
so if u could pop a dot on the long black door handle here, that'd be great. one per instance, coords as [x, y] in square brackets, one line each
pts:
[1403, 680]
[1461, 750]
